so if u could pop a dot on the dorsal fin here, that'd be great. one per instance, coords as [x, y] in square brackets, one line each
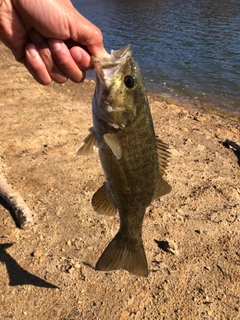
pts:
[114, 144]
[163, 155]
[102, 202]
[162, 188]
[89, 144]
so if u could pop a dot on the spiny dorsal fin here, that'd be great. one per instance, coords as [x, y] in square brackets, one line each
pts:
[163, 155]
[114, 144]
[102, 202]
[89, 144]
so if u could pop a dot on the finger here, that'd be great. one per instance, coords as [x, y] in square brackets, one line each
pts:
[87, 34]
[81, 58]
[65, 61]
[36, 66]
[42, 47]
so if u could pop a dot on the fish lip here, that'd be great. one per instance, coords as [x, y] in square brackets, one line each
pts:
[110, 65]
[121, 53]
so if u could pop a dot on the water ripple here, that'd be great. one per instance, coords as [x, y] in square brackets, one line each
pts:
[191, 48]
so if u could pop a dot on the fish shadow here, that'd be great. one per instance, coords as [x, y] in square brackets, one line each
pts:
[17, 275]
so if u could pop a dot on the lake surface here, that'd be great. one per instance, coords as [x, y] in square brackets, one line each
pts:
[189, 49]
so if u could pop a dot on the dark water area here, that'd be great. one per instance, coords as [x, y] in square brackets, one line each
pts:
[188, 49]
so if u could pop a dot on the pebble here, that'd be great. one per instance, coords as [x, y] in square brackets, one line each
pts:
[124, 315]
[207, 268]
[37, 253]
[171, 247]
[70, 270]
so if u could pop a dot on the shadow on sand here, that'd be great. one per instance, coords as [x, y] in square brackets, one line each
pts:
[17, 275]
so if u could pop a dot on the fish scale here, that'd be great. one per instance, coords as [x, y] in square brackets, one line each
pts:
[132, 158]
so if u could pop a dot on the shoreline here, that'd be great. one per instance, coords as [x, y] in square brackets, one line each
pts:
[195, 103]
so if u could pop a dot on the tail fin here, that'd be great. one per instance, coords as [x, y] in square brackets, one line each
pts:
[120, 254]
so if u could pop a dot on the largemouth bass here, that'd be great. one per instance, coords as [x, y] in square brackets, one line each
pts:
[133, 159]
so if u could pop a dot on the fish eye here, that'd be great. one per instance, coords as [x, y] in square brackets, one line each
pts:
[129, 81]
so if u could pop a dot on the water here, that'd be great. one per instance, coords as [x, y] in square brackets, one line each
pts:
[189, 49]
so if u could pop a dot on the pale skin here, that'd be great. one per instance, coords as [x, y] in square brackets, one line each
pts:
[51, 38]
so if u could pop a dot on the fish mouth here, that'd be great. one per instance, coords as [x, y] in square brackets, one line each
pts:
[110, 65]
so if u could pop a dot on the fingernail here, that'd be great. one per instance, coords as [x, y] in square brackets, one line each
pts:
[32, 51]
[78, 55]
[56, 45]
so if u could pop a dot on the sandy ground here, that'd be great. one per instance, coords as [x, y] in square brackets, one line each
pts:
[191, 236]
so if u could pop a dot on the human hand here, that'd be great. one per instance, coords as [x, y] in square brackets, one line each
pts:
[50, 37]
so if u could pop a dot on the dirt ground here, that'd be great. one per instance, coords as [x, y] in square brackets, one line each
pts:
[191, 236]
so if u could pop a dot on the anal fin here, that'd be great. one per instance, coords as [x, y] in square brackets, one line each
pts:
[102, 202]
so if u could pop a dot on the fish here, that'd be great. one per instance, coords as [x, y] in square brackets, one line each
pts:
[133, 158]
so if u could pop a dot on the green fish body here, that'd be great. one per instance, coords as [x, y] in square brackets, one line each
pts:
[133, 159]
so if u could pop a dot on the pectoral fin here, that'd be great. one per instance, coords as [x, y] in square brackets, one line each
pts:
[89, 144]
[103, 203]
[114, 144]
